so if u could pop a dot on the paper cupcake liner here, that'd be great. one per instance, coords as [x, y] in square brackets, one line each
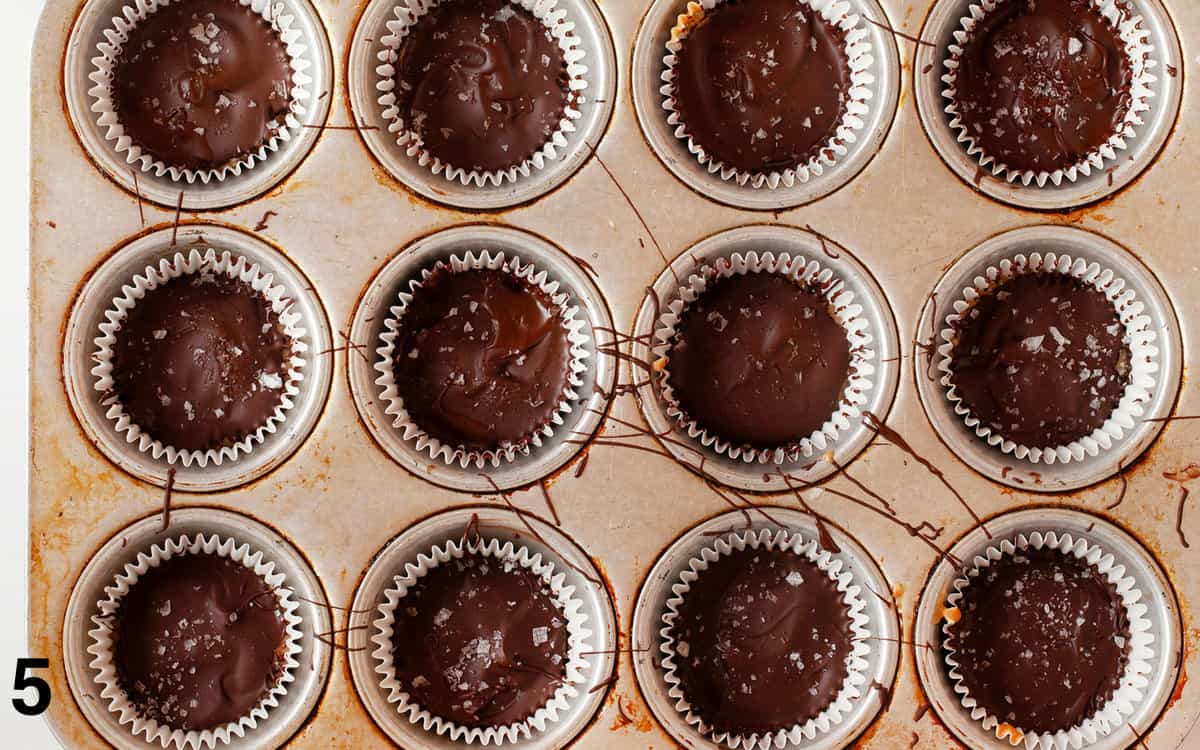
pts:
[102, 645]
[860, 56]
[1136, 37]
[577, 338]
[1135, 680]
[196, 261]
[548, 12]
[108, 54]
[843, 307]
[1140, 336]
[571, 607]
[856, 663]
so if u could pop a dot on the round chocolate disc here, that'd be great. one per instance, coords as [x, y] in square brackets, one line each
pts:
[761, 85]
[480, 642]
[1043, 640]
[482, 82]
[1041, 359]
[198, 642]
[762, 638]
[759, 360]
[202, 83]
[1042, 84]
[482, 358]
[200, 362]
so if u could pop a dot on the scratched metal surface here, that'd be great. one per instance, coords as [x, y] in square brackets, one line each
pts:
[340, 499]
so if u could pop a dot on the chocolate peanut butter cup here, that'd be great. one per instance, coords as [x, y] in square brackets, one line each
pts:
[763, 641]
[481, 641]
[1045, 640]
[767, 92]
[196, 641]
[482, 92]
[1048, 89]
[1051, 358]
[200, 89]
[764, 358]
[200, 358]
[481, 359]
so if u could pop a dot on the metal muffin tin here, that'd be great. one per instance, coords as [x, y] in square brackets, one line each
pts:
[95, 17]
[1163, 614]
[1024, 474]
[656, 590]
[929, 66]
[492, 523]
[340, 218]
[583, 420]
[755, 476]
[648, 53]
[315, 658]
[96, 298]
[596, 107]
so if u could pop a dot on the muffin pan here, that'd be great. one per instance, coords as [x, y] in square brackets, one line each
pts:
[339, 498]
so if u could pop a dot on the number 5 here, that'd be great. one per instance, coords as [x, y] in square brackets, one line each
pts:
[23, 680]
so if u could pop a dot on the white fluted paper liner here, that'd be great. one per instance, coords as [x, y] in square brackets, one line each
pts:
[102, 644]
[198, 260]
[1135, 680]
[856, 661]
[577, 339]
[568, 604]
[554, 17]
[1140, 337]
[108, 54]
[845, 310]
[1142, 64]
[860, 57]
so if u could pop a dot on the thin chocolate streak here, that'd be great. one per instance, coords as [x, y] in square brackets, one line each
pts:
[825, 242]
[549, 502]
[137, 190]
[887, 27]
[355, 128]
[616, 651]
[586, 266]
[1176, 418]
[845, 471]
[166, 504]
[359, 348]
[582, 465]
[1121, 467]
[920, 712]
[520, 514]
[178, 216]
[1179, 517]
[876, 424]
[471, 533]
[825, 538]
[603, 685]
[262, 223]
[330, 638]
[637, 212]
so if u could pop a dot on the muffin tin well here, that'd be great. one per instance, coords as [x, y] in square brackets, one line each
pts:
[1160, 600]
[315, 659]
[945, 18]
[1007, 469]
[89, 30]
[96, 297]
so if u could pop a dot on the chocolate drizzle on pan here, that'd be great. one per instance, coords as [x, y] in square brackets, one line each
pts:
[198, 642]
[203, 83]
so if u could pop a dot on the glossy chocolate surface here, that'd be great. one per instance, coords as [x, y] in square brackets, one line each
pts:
[762, 639]
[482, 82]
[480, 642]
[1041, 360]
[201, 361]
[482, 358]
[760, 360]
[202, 83]
[198, 642]
[1042, 83]
[762, 84]
[1043, 640]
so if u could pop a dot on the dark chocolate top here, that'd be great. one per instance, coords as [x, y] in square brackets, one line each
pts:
[1043, 640]
[482, 358]
[1042, 83]
[762, 84]
[762, 640]
[480, 642]
[202, 83]
[760, 360]
[1041, 359]
[482, 82]
[199, 641]
[201, 361]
